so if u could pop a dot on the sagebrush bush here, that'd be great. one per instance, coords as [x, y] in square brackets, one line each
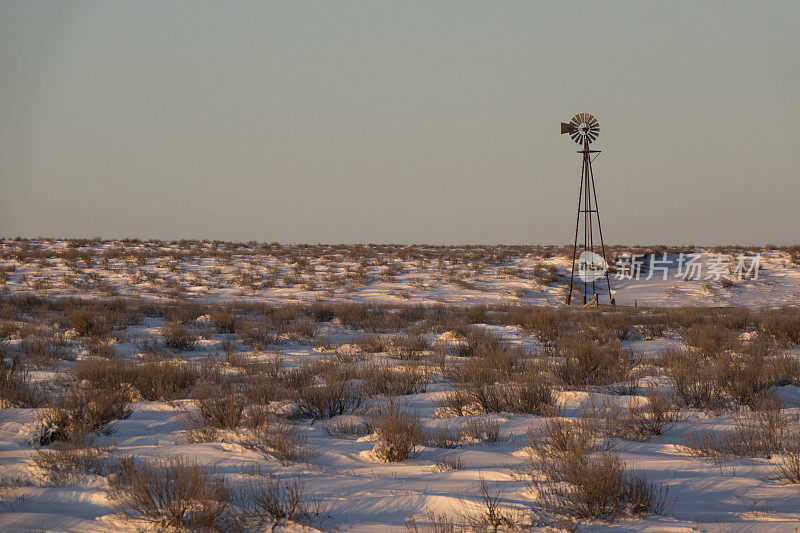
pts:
[82, 411]
[157, 381]
[762, 433]
[90, 323]
[782, 325]
[271, 501]
[694, 379]
[68, 463]
[589, 362]
[16, 389]
[171, 493]
[336, 395]
[639, 422]
[398, 431]
[710, 339]
[178, 337]
[575, 478]
[384, 380]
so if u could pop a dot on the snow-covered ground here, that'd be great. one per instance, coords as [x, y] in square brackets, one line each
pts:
[354, 491]
[389, 274]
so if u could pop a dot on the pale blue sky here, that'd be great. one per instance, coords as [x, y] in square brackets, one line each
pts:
[398, 121]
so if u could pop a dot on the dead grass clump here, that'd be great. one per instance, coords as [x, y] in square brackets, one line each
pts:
[482, 429]
[788, 469]
[642, 421]
[588, 362]
[171, 494]
[221, 406]
[81, 412]
[761, 433]
[90, 322]
[336, 395]
[695, 380]
[178, 337]
[271, 501]
[225, 319]
[16, 389]
[384, 380]
[782, 325]
[710, 339]
[68, 463]
[576, 479]
[398, 431]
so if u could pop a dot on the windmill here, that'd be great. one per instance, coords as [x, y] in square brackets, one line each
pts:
[592, 267]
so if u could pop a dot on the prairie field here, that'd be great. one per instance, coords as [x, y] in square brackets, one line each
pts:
[206, 385]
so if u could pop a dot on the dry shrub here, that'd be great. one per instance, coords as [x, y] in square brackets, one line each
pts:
[762, 433]
[371, 343]
[171, 494]
[270, 501]
[744, 379]
[486, 513]
[44, 351]
[299, 330]
[398, 431]
[178, 337]
[531, 392]
[225, 319]
[68, 463]
[258, 335]
[157, 381]
[641, 422]
[16, 389]
[407, 348]
[384, 380]
[589, 362]
[457, 403]
[710, 339]
[782, 325]
[448, 463]
[221, 405]
[347, 428]
[443, 437]
[90, 323]
[481, 429]
[276, 439]
[694, 379]
[575, 478]
[82, 411]
[336, 395]
[788, 469]
[436, 523]
[482, 387]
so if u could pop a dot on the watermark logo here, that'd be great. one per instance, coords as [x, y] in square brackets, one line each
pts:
[694, 266]
[591, 267]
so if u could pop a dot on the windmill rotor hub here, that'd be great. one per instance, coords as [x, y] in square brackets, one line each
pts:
[583, 128]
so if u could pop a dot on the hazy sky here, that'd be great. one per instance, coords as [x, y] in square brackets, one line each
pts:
[398, 121]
